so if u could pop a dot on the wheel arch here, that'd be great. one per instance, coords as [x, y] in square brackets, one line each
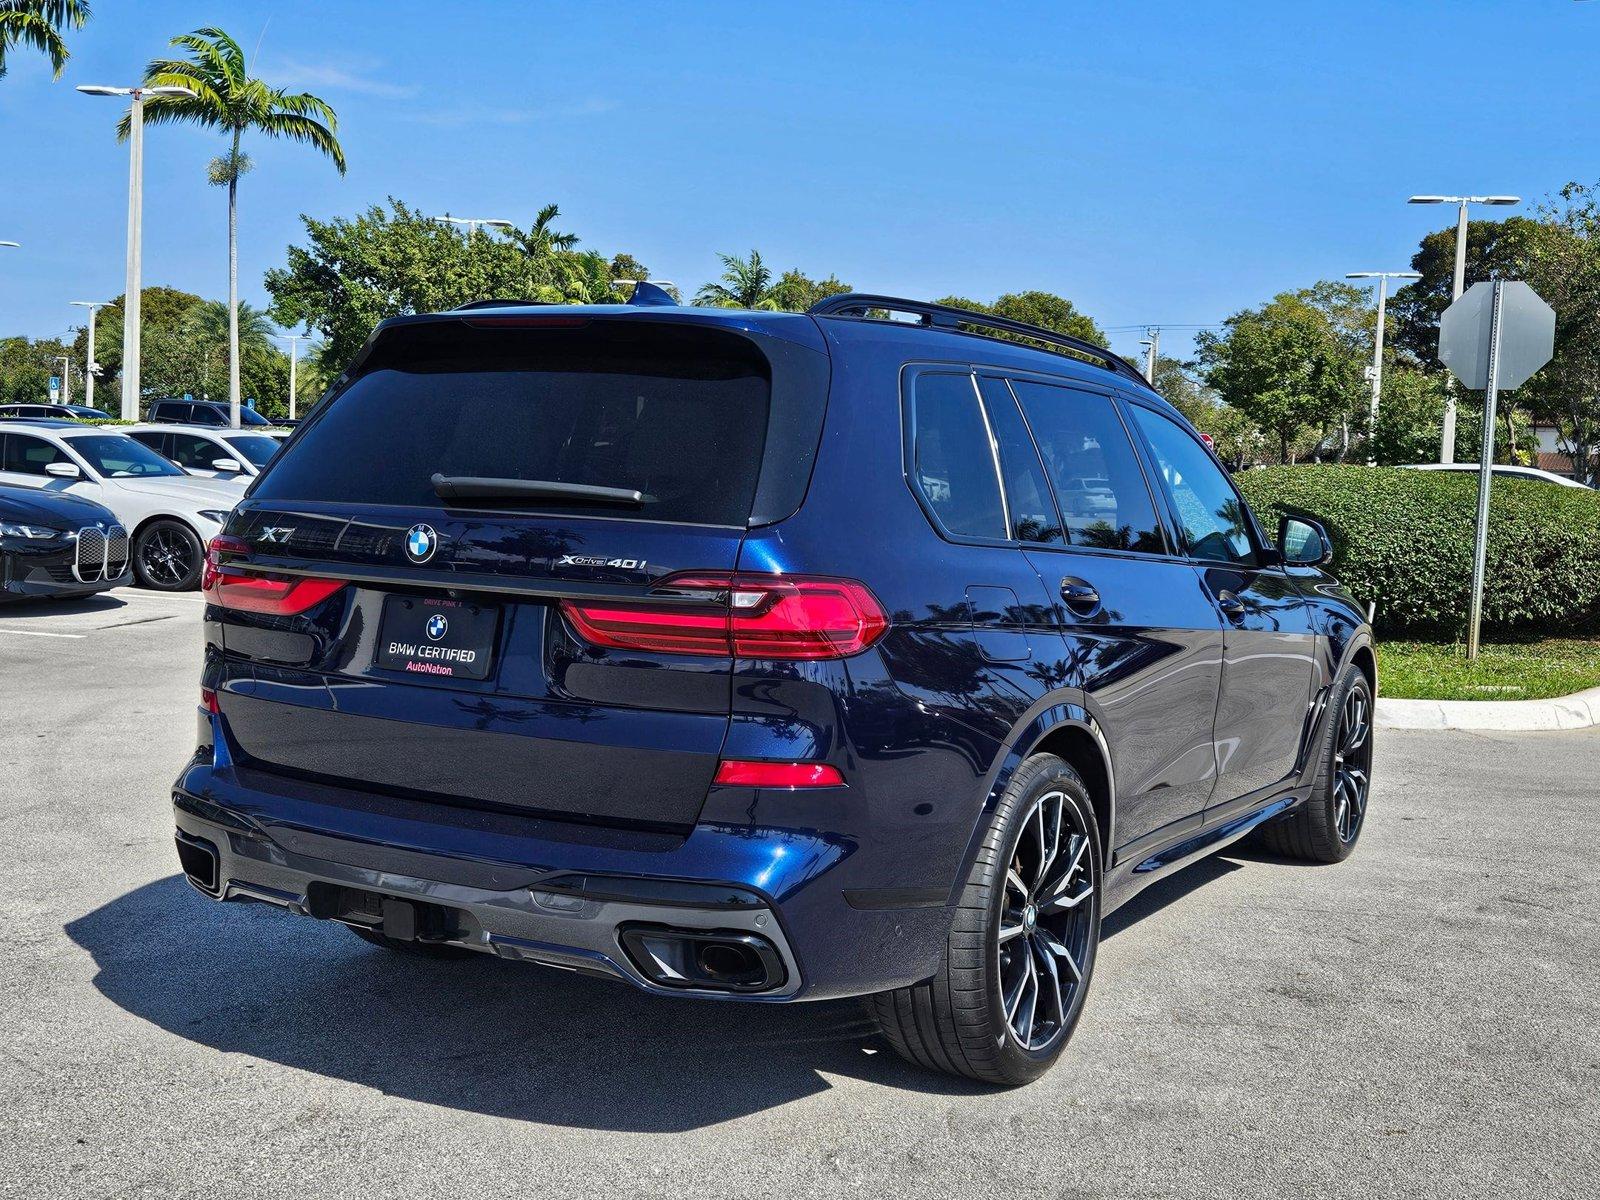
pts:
[1072, 734]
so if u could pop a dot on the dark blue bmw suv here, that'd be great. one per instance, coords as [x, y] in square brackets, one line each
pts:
[876, 651]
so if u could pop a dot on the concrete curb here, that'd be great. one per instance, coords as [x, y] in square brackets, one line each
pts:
[1577, 711]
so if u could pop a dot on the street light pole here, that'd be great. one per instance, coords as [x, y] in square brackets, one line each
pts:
[66, 376]
[1447, 435]
[130, 297]
[294, 340]
[93, 306]
[1383, 278]
[472, 223]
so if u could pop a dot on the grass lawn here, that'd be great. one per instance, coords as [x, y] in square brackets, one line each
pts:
[1526, 670]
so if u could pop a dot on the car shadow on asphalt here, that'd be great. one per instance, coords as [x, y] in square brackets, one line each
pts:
[486, 1036]
[70, 606]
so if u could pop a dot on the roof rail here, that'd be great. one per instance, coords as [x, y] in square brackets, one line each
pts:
[961, 320]
[472, 304]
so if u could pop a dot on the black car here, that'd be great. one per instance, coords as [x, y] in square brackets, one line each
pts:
[58, 545]
[763, 657]
[201, 412]
[57, 412]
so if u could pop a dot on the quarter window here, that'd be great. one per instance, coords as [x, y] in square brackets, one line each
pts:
[1099, 486]
[954, 459]
[1215, 522]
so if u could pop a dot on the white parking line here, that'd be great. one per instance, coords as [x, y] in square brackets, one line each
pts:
[42, 633]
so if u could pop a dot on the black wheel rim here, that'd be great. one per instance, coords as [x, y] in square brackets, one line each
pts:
[168, 557]
[1352, 765]
[1046, 926]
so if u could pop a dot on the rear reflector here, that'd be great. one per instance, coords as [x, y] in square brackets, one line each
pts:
[225, 584]
[739, 616]
[741, 772]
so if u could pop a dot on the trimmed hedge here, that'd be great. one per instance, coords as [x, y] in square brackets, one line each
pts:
[1404, 539]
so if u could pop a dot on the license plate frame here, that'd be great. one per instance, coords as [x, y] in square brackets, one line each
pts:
[435, 637]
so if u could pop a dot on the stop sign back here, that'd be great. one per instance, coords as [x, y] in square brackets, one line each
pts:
[1527, 334]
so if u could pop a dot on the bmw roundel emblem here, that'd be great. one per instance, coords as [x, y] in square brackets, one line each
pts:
[437, 627]
[421, 542]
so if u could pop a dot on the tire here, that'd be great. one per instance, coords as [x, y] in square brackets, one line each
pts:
[167, 556]
[432, 950]
[958, 1021]
[1327, 826]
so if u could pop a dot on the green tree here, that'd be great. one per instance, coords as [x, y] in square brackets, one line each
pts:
[1294, 365]
[796, 291]
[744, 283]
[1044, 309]
[540, 238]
[226, 97]
[37, 25]
[26, 367]
[355, 272]
[160, 309]
[626, 266]
[1495, 250]
[1562, 263]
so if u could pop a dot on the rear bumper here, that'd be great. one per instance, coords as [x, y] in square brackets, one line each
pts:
[556, 893]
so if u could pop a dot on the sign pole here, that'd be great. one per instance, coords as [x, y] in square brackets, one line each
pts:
[1480, 545]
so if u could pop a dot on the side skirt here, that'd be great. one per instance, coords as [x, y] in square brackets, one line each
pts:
[1130, 876]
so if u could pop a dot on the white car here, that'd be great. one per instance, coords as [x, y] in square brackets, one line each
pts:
[170, 516]
[207, 452]
[1501, 471]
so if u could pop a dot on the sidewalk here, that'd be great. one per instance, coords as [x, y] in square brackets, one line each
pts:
[1577, 711]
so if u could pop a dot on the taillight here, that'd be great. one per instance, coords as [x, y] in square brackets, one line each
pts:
[224, 584]
[739, 616]
[742, 772]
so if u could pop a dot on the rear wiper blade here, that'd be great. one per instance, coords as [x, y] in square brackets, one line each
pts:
[478, 487]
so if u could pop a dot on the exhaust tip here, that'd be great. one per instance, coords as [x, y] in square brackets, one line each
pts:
[199, 859]
[705, 960]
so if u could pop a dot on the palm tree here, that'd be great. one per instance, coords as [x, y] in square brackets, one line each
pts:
[37, 24]
[226, 97]
[540, 239]
[746, 283]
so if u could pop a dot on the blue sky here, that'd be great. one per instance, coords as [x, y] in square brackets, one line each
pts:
[1154, 162]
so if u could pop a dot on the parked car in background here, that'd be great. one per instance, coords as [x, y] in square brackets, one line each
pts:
[763, 656]
[1505, 471]
[53, 412]
[201, 412]
[54, 546]
[208, 452]
[169, 515]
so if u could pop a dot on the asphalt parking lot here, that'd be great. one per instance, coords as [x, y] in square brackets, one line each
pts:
[1423, 1020]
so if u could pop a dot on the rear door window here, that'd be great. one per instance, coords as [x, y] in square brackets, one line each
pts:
[676, 413]
[30, 455]
[1099, 486]
[1028, 501]
[953, 456]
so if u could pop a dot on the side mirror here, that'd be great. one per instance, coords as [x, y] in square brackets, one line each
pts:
[225, 464]
[1304, 542]
[63, 470]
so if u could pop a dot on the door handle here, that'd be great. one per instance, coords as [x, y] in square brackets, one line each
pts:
[1080, 596]
[1232, 607]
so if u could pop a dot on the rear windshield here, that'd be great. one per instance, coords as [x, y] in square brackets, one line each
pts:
[675, 413]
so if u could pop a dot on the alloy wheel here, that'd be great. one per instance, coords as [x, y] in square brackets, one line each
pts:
[1352, 764]
[1046, 928]
[167, 557]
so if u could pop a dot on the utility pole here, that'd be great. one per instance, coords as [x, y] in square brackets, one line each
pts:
[1376, 370]
[1152, 353]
